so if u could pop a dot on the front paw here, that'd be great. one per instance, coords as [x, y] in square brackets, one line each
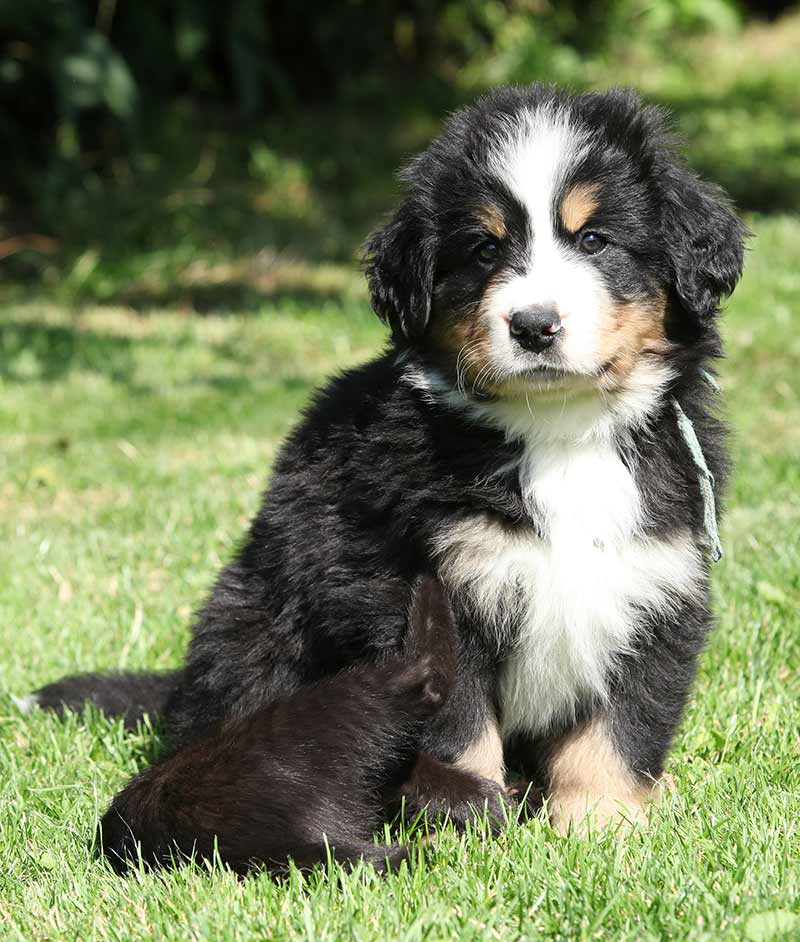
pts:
[443, 793]
[584, 813]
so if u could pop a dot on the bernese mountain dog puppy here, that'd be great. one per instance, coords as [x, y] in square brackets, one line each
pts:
[301, 778]
[551, 281]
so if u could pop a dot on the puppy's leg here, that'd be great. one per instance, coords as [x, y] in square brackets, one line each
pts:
[347, 854]
[484, 755]
[463, 789]
[610, 767]
[590, 783]
[381, 858]
[460, 772]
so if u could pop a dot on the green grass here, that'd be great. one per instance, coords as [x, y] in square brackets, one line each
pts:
[134, 448]
[147, 376]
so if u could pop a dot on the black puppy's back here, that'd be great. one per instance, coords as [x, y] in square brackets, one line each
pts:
[299, 777]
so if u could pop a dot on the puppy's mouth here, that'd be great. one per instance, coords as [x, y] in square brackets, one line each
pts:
[542, 379]
[544, 368]
[537, 369]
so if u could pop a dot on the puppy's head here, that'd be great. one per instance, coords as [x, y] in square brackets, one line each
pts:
[549, 241]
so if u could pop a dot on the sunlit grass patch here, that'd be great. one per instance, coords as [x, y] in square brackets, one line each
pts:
[135, 445]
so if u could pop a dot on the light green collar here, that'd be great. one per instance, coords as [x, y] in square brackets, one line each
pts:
[705, 477]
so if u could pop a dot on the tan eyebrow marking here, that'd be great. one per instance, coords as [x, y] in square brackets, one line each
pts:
[578, 206]
[491, 217]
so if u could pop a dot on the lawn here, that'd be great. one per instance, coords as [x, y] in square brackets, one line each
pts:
[143, 396]
[134, 450]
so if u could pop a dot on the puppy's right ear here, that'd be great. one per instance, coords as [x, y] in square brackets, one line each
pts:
[400, 261]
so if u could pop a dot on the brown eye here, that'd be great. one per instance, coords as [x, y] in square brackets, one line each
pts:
[486, 253]
[591, 243]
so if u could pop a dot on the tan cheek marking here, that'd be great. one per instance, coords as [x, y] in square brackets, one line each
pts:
[465, 342]
[628, 331]
[578, 206]
[484, 756]
[464, 336]
[591, 783]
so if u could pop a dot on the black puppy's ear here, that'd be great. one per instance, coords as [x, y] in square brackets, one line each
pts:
[704, 240]
[400, 261]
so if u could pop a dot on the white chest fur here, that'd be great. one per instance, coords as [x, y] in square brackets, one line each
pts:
[569, 601]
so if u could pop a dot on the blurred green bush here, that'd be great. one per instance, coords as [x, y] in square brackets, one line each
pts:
[79, 77]
[104, 103]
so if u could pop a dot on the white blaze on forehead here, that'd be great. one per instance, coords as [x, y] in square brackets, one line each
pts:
[534, 161]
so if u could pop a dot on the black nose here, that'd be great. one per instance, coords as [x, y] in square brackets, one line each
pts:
[535, 328]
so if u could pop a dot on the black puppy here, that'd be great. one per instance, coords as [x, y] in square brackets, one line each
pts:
[310, 773]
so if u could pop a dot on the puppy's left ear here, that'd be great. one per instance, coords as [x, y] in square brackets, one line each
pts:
[400, 261]
[704, 239]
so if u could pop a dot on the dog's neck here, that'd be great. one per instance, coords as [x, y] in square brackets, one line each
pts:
[569, 417]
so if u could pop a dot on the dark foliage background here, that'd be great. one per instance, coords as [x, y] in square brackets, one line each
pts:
[129, 129]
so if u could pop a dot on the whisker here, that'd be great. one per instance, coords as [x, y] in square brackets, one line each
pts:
[528, 404]
[486, 369]
[462, 362]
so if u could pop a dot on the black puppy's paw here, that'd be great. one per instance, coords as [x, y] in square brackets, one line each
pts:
[445, 793]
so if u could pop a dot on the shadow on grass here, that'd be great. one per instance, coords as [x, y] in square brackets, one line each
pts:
[36, 352]
[247, 383]
[233, 296]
